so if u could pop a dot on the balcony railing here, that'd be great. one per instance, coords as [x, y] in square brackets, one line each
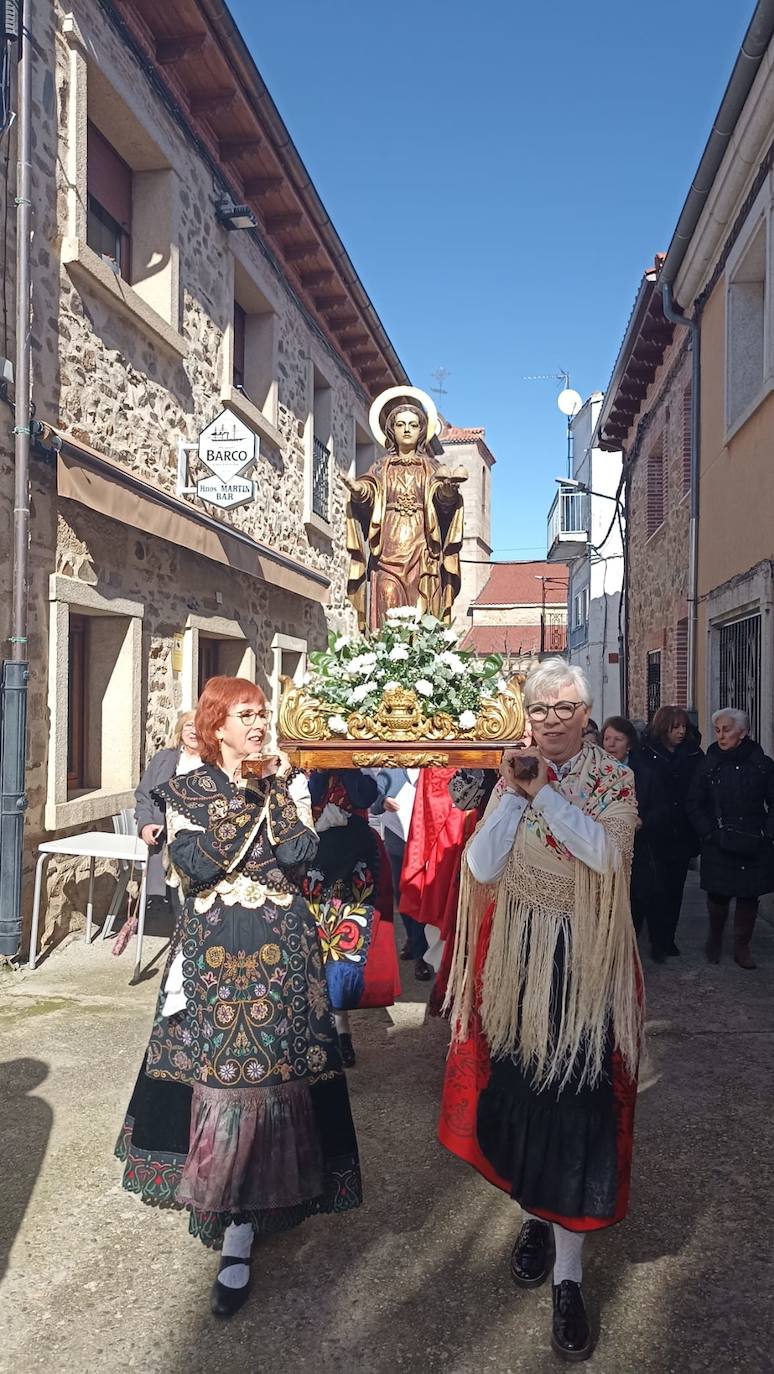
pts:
[321, 479]
[568, 524]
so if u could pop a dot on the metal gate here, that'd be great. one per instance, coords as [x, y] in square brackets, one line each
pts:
[654, 682]
[739, 648]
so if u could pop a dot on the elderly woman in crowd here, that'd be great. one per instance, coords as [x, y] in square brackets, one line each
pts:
[665, 767]
[545, 995]
[240, 1113]
[731, 806]
[181, 757]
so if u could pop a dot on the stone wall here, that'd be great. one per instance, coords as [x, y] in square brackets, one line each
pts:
[658, 563]
[102, 377]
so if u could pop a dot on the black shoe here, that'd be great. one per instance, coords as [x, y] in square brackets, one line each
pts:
[347, 1051]
[405, 953]
[422, 971]
[673, 952]
[224, 1302]
[570, 1333]
[532, 1255]
[658, 956]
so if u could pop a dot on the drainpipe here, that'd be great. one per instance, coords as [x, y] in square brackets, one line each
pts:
[15, 671]
[693, 521]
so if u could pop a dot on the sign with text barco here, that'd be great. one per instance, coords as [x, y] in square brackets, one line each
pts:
[227, 448]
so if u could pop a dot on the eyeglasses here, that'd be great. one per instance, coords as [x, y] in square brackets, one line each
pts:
[563, 710]
[248, 718]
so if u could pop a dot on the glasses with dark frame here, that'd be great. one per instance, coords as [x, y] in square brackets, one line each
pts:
[563, 710]
[248, 718]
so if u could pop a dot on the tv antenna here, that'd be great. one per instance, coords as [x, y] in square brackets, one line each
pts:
[439, 390]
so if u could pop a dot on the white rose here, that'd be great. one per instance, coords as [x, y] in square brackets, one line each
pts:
[397, 652]
[337, 725]
[452, 661]
[360, 692]
[424, 687]
[341, 643]
[450, 636]
[468, 720]
[391, 686]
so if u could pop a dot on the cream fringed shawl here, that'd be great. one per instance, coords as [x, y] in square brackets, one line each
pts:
[555, 1016]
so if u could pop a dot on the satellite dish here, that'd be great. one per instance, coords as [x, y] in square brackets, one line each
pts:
[569, 402]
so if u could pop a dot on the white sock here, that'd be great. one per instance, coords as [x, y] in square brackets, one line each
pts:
[237, 1244]
[568, 1263]
[342, 1022]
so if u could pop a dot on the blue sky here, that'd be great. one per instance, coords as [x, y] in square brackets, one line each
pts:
[501, 174]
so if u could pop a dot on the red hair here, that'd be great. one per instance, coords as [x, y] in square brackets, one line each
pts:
[221, 695]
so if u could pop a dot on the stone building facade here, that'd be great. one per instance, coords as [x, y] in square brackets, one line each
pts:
[139, 589]
[468, 448]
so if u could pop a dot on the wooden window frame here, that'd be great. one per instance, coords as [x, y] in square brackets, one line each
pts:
[240, 333]
[77, 700]
[109, 198]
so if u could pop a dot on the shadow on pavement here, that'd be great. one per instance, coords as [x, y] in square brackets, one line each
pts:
[25, 1126]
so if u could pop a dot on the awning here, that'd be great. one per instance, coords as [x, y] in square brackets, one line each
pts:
[86, 476]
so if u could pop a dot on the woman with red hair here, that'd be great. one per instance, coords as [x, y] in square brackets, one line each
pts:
[240, 1113]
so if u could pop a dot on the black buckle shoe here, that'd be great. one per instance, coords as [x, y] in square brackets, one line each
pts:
[570, 1333]
[224, 1302]
[532, 1255]
[423, 972]
[347, 1051]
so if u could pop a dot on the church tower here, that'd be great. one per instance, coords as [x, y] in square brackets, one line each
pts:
[468, 448]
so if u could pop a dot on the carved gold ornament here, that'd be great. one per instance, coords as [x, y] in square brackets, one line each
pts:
[380, 759]
[399, 719]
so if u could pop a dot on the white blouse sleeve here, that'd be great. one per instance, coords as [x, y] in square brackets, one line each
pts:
[489, 849]
[584, 837]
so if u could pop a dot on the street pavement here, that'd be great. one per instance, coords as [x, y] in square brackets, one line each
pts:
[417, 1279]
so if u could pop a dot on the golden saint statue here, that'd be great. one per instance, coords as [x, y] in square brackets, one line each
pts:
[404, 516]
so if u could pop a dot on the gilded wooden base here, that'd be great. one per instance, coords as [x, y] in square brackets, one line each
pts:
[387, 754]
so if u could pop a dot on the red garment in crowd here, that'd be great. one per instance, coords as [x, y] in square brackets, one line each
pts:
[430, 882]
[468, 1069]
[382, 974]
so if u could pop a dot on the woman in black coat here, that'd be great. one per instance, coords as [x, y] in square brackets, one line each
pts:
[664, 770]
[181, 757]
[731, 807]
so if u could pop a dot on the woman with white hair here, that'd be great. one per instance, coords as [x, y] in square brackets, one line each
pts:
[731, 807]
[545, 994]
[181, 756]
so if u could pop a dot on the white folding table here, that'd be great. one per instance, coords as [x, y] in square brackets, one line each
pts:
[96, 844]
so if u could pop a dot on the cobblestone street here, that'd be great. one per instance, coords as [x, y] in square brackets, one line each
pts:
[418, 1279]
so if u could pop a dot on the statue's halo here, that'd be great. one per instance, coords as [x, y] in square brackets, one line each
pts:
[402, 393]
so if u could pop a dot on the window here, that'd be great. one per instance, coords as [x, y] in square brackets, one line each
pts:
[289, 662]
[254, 366]
[655, 492]
[739, 645]
[228, 656]
[95, 703]
[109, 217]
[319, 445]
[687, 409]
[483, 489]
[580, 615]
[240, 327]
[365, 451]
[653, 684]
[745, 333]
[77, 677]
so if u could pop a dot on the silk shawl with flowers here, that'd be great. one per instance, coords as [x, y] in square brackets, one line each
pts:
[545, 895]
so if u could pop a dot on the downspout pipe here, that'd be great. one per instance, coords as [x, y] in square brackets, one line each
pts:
[692, 325]
[15, 670]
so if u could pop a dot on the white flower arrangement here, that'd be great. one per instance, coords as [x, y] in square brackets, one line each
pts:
[413, 651]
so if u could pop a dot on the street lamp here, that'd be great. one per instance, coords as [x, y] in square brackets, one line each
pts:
[231, 215]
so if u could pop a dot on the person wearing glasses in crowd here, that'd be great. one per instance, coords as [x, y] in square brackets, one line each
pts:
[182, 756]
[240, 1114]
[545, 995]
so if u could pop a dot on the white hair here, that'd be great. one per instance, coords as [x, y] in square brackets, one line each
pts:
[740, 718]
[550, 676]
